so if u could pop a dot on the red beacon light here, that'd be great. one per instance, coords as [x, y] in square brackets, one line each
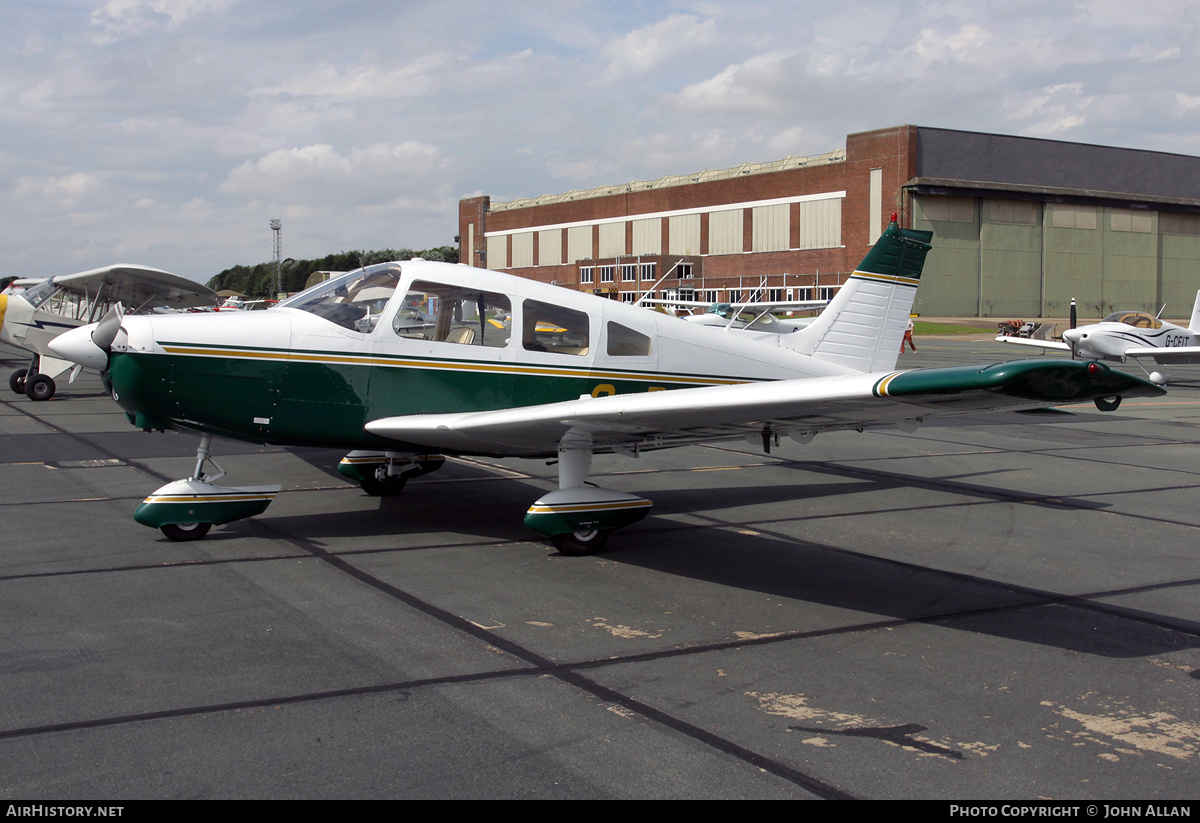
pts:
[1093, 368]
[895, 217]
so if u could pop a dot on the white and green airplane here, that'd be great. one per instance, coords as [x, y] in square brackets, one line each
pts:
[403, 363]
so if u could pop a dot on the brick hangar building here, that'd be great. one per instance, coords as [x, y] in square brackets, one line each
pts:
[1020, 226]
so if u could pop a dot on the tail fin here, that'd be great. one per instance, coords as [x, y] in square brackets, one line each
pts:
[864, 323]
[1195, 324]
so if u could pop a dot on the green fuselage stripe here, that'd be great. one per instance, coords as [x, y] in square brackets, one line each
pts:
[326, 398]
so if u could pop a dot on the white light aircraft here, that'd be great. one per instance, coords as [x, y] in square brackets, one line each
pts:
[752, 316]
[504, 366]
[31, 318]
[1128, 334]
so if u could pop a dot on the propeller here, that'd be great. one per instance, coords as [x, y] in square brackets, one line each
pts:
[106, 330]
[90, 345]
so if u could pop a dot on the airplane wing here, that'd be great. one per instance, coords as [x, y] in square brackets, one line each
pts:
[139, 287]
[1166, 355]
[1037, 344]
[798, 407]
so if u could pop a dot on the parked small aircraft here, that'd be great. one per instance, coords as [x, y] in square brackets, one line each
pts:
[753, 316]
[31, 318]
[504, 366]
[1125, 334]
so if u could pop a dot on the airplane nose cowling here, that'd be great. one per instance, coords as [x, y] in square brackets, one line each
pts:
[76, 345]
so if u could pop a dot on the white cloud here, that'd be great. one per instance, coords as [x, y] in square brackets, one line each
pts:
[323, 172]
[678, 36]
[129, 18]
[62, 192]
[747, 86]
[180, 127]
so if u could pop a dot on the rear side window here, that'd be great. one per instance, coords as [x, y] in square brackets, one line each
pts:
[625, 342]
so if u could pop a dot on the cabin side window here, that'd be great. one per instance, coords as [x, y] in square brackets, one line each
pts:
[625, 342]
[551, 328]
[454, 314]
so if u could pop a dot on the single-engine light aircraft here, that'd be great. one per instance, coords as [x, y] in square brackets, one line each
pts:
[31, 318]
[756, 317]
[404, 363]
[1125, 334]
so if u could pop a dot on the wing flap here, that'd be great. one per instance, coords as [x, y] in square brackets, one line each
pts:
[716, 413]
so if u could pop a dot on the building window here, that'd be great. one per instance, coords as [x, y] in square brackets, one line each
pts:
[827, 292]
[606, 273]
[628, 273]
[735, 296]
[1130, 220]
[684, 271]
[711, 296]
[1171, 222]
[1066, 216]
[628, 297]
[774, 295]
[948, 209]
[585, 274]
[804, 294]
[649, 271]
[1014, 212]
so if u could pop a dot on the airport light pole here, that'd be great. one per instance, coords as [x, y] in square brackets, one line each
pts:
[277, 228]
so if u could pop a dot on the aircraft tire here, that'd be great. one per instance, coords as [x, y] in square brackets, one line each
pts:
[40, 387]
[185, 532]
[578, 544]
[17, 381]
[387, 487]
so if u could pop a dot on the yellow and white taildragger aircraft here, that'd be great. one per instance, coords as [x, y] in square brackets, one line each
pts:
[557, 374]
[31, 318]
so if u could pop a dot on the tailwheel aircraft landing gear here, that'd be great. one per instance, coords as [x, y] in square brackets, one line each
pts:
[185, 532]
[39, 387]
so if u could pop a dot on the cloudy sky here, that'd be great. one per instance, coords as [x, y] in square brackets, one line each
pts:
[170, 132]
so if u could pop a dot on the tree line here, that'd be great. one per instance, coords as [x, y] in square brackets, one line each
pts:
[259, 280]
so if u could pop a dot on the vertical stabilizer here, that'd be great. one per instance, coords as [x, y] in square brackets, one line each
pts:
[1195, 324]
[863, 325]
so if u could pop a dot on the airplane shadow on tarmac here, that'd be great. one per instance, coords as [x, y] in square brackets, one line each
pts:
[761, 555]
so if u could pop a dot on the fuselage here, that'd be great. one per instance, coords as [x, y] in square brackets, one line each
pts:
[1109, 340]
[415, 338]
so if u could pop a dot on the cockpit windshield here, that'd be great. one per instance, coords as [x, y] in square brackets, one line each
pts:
[353, 300]
[1137, 319]
[38, 294]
